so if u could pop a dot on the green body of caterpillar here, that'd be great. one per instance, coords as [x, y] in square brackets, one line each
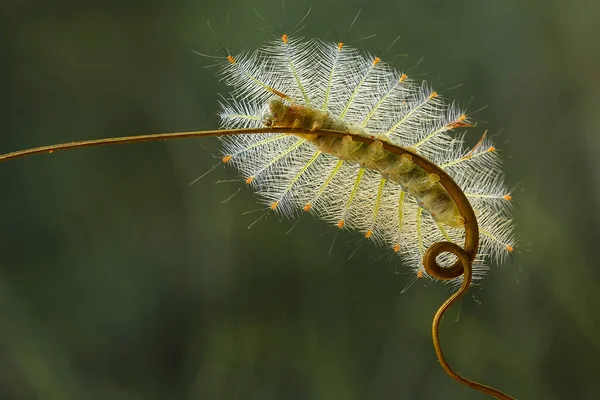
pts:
[400, 169]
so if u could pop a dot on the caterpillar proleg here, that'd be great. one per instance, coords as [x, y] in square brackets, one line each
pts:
[312, 85]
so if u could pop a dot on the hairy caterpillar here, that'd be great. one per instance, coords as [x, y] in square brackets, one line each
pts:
[311, 85]
[322, 128]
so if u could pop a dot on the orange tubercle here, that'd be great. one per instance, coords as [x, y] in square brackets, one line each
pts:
[50, 151]
[340, 45]
[226, 158]
[397, 248]
[368, 234]
[340, 224]
[249, 180]
[491, 149]
[432, 95]
[509, 248]
[231, 59]
[420, 273]
[274, 205]
[403, 77]
[376, 61]
[507, 197]
[284, 37]
[307, 207]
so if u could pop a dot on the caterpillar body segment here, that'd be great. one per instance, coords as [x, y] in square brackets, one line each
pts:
[359, 184]
[424, 187]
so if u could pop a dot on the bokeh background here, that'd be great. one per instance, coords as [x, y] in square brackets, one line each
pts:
[119, 280]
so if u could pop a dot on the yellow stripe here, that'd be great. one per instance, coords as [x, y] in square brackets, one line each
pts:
[264, 141]
[485, 196]
[355, 92]
[279, 157]
[296, 77]
[462, 159]
[330, 80]
[303, 170]
[244, 116]
[408, 114]
[328, 180]
[428, 137]
[444, 233]
[419, 236]
[378, 200]
[361, 171]
[380, 102]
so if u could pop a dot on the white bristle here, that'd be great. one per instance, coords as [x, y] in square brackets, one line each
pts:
[293, 175]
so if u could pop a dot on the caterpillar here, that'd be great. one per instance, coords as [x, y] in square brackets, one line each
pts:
[313, 85]
[322, 128]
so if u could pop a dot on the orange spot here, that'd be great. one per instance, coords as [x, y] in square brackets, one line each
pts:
[340, 45]
[491, 149]
[226, 158]
[432, 95]
[509, 248]
[307, 207]
[274, 205]
[231, 59]
[376, 61]
[403, 77]
[284, 37]
[368, 234]
[397, 248]
[420, 273]
[249, 180]
[340, 224]
[507, 197]
[50, 151]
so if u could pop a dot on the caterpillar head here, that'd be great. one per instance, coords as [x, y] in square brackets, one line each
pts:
[273, 112]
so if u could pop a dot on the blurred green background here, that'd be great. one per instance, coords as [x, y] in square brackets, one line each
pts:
[119, 280]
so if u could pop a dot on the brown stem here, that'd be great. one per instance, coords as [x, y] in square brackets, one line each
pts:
[466, 255]
[464, 258]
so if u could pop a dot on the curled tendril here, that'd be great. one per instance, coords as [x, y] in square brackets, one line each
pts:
[432, 268]
[465, 255]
